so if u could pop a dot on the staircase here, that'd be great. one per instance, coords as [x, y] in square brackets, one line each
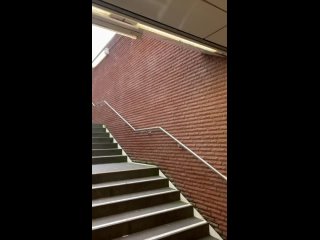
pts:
[131, 201]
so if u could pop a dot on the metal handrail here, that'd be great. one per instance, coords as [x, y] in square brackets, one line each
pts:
[171, 136]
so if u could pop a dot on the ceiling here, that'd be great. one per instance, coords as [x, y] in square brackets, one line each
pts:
[204, 21]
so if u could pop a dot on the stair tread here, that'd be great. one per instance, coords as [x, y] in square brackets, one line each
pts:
[97, 125]
[115, 167]
[125, 216]
[99, 149]
[162, 229]
[124, 197]
[109, 156]
[126, 181]
[207, 238]
[139, 206]
[102, 143]
[103, 146]
[102, 137]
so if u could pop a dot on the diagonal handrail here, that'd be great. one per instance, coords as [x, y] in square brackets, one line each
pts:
[170, 135]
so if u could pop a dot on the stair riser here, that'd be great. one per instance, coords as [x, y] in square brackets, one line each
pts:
[119, 207]
[129, 188]
[104, 145]
[190, 234]
[136, 225]
[115, 159]
[103, 134]
[102, 140]
[114, 176]
[106, 152]
[98, 130]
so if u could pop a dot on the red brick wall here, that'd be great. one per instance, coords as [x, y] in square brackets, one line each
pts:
[151, 82]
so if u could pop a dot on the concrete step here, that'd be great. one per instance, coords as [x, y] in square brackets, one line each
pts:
[129, 187]
[185, 229]
[98, 130]
[207, 238]
[189, 233]
[121, 171]
[101, 134]
[106, 152]
[126, 181]
[135, 221]
[130, 196]
[132, 201]
[102, 140]
[108, 159]
[97, 125]
[104, 145]
[124, 216]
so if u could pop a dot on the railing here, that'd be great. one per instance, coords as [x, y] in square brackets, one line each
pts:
[170, 135]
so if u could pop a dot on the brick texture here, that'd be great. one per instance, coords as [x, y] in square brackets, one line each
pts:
[151, 82]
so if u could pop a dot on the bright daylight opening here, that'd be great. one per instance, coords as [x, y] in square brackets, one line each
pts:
[100, 38]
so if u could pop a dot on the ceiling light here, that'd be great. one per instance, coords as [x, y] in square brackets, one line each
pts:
[176, 38]
[104, 19]
[115, 28]
[100, 12]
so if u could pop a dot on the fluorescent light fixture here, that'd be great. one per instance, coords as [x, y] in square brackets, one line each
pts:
[100, 12]
[176, 38]
[103, 18]
[117, 29]
[100, 57]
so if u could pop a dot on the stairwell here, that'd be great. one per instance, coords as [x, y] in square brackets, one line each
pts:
[135, 201]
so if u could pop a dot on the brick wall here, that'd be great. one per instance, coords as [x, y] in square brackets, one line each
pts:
[156, 83]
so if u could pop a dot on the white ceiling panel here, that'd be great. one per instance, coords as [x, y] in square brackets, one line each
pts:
[148, 8]
[219, 3]
[219, 37]
[197, 17]
[202, 19]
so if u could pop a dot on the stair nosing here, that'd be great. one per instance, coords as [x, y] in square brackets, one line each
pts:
[126, 182]
[102, 137]
[103, 143]
[99, 149]
[132, 198]
[186, 205]
[121, 171]
[109, 156]
[203, 222]
[105, 149]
